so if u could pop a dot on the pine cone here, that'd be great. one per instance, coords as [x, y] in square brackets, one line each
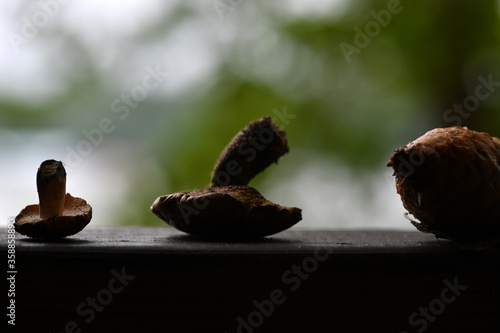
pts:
[449, 179]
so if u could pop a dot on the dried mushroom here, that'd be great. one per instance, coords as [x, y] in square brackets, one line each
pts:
[449, 179]
[229, 209]
[58, 214]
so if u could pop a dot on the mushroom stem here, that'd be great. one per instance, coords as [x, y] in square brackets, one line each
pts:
[51, 186]
[253, 149]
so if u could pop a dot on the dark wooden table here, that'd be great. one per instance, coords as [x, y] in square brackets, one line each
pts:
[160, 280]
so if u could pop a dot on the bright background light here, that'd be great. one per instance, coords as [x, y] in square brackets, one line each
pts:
[225, 70]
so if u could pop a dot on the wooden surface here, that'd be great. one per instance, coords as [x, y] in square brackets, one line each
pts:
[168, 241]
[320, 281]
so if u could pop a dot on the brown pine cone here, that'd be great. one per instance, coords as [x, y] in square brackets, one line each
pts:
[449, 179]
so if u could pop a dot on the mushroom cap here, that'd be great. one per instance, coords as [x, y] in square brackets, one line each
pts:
[227, 212]
[449, 179]
[76, 215]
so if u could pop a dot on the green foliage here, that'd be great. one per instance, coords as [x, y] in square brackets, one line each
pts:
[399, 86]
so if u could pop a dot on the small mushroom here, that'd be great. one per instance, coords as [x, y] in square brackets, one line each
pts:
[229, 209]
[59, 214]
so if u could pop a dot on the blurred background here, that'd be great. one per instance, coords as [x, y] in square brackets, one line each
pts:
[138, 98]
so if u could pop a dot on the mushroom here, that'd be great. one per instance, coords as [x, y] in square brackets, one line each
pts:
[449, 179]
[59, 214]
[229, 209]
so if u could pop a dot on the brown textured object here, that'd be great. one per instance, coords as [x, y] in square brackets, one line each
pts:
[59, 214]
[449, 179]
[252, 150]
[225, 212]
[229, 209]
